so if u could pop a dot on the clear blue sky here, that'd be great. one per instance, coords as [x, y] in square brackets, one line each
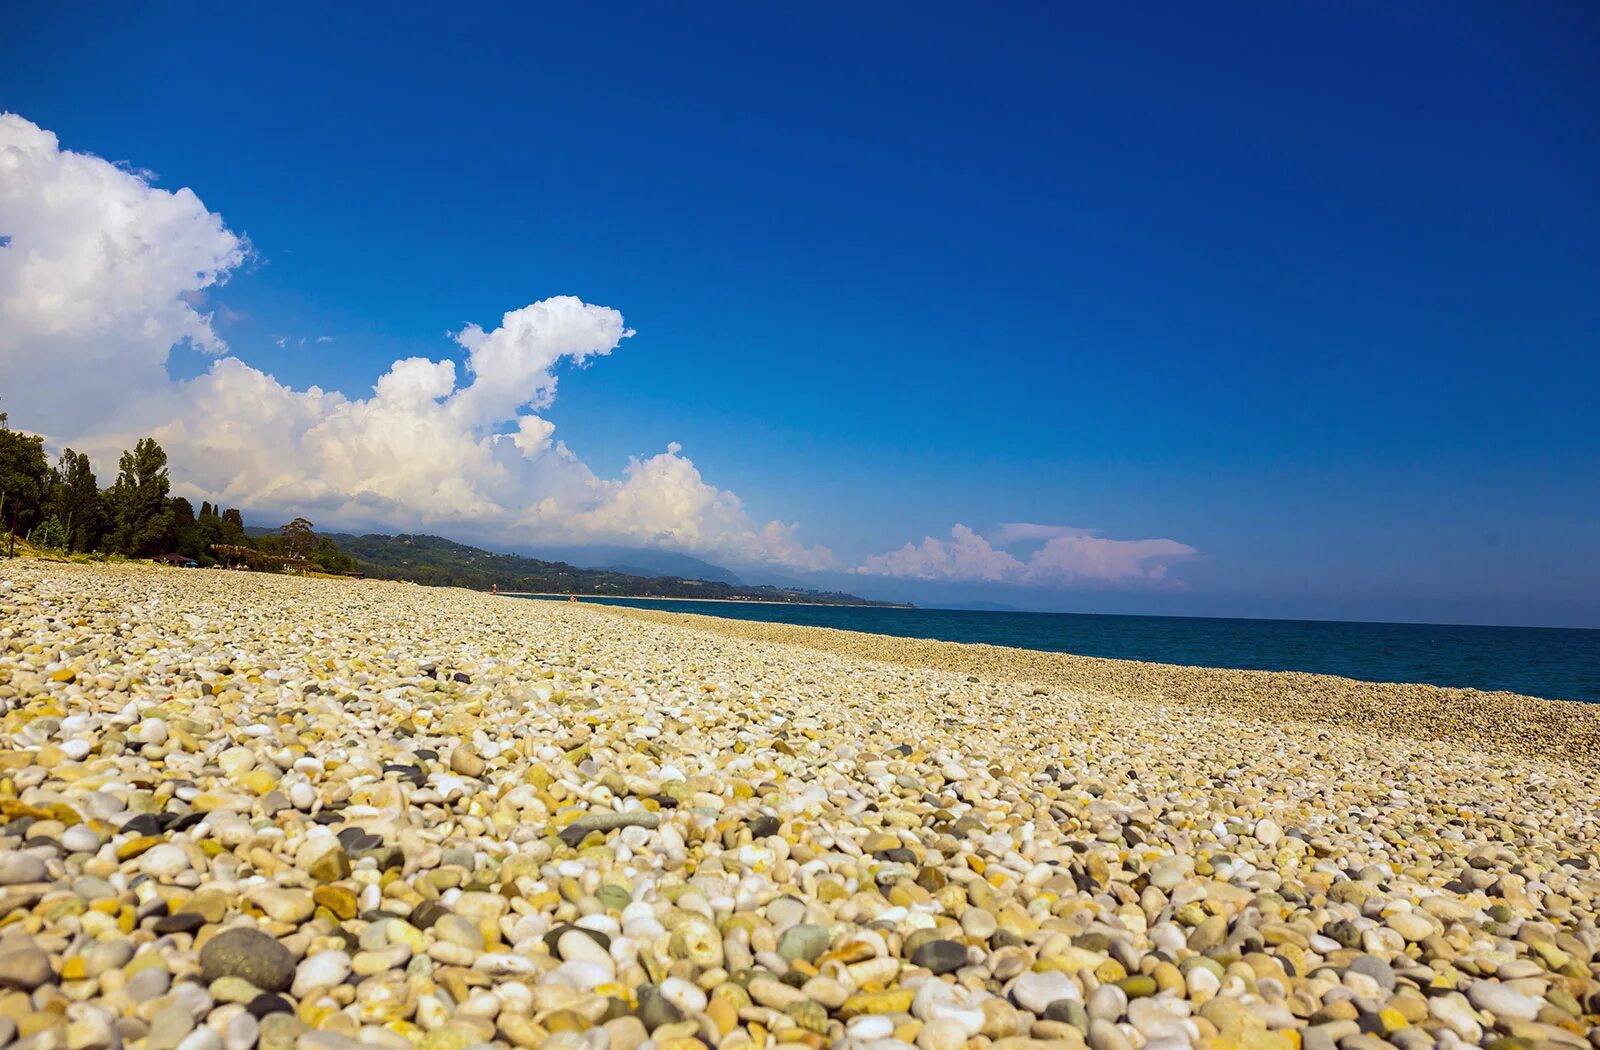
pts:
[1314, 289]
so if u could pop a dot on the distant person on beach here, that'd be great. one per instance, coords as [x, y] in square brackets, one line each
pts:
[494, 588]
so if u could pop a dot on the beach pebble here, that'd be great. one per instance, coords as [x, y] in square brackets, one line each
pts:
[250, 955]
[244, 810]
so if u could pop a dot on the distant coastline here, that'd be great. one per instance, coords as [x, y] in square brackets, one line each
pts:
[727, 601]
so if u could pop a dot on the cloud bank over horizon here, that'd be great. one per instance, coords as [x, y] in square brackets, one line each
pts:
[102, 274]
[1065, 556]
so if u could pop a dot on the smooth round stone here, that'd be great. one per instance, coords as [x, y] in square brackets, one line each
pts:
[869, 1027]
[1408, 924]
[279, 1030]
[763, 826]
[685, 995]
[1107, 1003]
[1502, 1000]
[25, 969]
[978, 924]
[322, 970]
[233, 990]
[286, 906]
[241, 1033]
[250, 954]
[1103, 1035]
[1068, 1011]
[613, 897]
[1137, 986]
[203, 1038]
[784, 912]
[179, 922]
[80, 838]
[302, 796]
[169, 1027]
[91, 888]
[454, 929]
[1267, 832]
[577, 945]
[1035, 992]
[267, 1005]
[654, 1009]
[164, 861]
[942, 1034]
[106, 955]
[1377, 969]
[940, 956]
[625, 1033]
[19, 868]
[804, 941]
[148, 984]
[552, 940]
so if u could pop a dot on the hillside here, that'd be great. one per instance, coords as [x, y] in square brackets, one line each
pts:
[437, 561]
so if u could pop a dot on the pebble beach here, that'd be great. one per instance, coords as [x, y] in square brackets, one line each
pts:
[242, 810]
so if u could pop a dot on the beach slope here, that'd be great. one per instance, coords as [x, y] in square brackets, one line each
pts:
[248, 810]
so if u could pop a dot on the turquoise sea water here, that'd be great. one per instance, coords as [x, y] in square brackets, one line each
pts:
[1559, 663]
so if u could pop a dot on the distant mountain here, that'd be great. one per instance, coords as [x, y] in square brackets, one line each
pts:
[438, 561]
[640, 561]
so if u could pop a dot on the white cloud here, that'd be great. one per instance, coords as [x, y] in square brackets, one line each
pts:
[99, 282]
[1068, 555]
[1022, 532]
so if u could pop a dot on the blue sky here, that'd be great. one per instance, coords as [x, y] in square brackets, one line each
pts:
[1309, 289]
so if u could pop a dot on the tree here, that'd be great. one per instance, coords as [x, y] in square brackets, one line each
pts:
[142, 520]
[77, 501]
[329, 558]
[205, 509]
[186, 536]
[24, 480]
[49, 533]
[233, 528]
[298, 539]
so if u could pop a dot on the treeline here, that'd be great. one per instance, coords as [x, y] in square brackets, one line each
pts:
[62, 507]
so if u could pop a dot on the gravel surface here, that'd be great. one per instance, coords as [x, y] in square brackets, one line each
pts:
[240, 810]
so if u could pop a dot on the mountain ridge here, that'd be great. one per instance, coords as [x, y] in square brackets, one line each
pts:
[436, 560]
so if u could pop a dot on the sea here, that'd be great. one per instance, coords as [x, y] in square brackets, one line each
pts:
[1558, 663]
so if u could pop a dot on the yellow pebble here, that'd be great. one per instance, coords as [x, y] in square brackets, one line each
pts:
[133, 847]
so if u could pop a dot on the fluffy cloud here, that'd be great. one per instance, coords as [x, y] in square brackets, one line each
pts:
[100, 279]
[1067, 556]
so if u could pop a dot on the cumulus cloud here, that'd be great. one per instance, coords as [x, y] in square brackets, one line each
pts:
[99, 277]
[1067, 556]
[100, 280]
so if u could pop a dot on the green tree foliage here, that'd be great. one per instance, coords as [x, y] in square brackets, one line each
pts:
[329, 558]
[187, 539]
[232, 528]
[50, 534]
[24, 479]
[141, 518]
[78, 503]
[298, 539]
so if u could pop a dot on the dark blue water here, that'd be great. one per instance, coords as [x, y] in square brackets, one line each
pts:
[1559, 663]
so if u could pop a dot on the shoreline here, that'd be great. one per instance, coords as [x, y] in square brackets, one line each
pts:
[1513, 723]
[721, 601]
